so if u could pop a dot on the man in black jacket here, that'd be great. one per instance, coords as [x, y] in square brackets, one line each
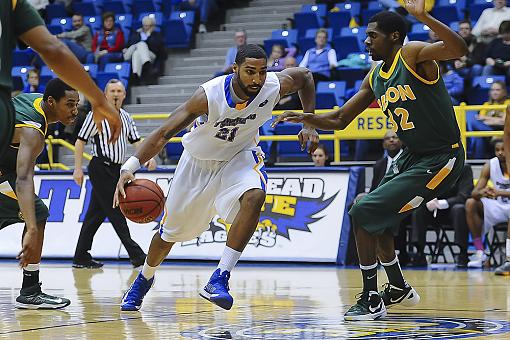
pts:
[449, 209]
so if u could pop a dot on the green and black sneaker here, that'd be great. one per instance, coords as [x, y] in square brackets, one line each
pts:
[369, 306]
[407, 296]
[33, 298]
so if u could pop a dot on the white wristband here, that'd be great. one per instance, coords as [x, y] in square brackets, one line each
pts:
[131, 165]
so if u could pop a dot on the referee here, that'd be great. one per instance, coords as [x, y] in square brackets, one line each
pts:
[104, 171]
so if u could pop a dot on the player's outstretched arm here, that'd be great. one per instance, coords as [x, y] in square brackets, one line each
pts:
[179, 119]
[70, 70]
[450, 46]
[31, 145]
[300, 80]
[334, 120]
[506, 138]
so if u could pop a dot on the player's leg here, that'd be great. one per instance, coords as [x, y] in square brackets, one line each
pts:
[239, 201]
[504, 269]
[188, 210]
[474, 219]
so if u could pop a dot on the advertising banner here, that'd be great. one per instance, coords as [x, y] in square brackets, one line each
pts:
[300, 221]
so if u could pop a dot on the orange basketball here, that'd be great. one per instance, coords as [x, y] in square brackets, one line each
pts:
[144, 201]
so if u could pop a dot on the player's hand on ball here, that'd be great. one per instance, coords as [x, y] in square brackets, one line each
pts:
[29, 248]
[309, 136]
[289, 116]
[125, 177]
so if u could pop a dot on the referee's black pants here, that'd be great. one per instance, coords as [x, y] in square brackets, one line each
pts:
[104, 177]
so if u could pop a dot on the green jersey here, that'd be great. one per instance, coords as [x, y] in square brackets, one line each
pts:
[29, 113]
[420, 110]
[16, 18]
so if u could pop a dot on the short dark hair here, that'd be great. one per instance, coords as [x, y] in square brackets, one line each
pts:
[57, 89]
[107, 15]
[78, 14]
[504, 27]
[466, 22]
[390, 22]
[249, 51]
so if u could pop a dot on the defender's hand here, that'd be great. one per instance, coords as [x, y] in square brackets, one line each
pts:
[290, 116]
[125, 177]
[104, 110]
[416, 8]
[30, 248]
[306, 135]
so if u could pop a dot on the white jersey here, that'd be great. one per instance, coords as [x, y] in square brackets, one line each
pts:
[498, 180]
[230, 128]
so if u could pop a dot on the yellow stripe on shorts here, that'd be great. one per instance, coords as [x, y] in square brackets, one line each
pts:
[441, 175]
[412, 204]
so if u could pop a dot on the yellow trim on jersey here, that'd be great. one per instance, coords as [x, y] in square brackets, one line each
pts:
[38, 108]
[417, 76]
[441, 175]
[370, 76]
[30, 126]
[241, 106]
[14, 3]
[387, 75]
[256, 168]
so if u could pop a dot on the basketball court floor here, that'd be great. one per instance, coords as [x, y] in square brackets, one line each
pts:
[271, 302]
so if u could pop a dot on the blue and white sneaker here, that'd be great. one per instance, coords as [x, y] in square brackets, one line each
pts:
[216, 290]
[133, 297]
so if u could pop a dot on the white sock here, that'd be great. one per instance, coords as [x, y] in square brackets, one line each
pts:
[228, 259]
[33, 267]
[508, 249]
[148, 271]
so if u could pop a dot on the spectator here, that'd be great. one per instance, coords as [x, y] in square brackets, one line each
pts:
[453, 82]
[470, 65]
[79, 40]
[498, 53]
[291, 101]
[205, 8]
[449, 209]
[33, 82]
[320, 156]
[108, 43]
[275, 60]
[488, 206]
[321, 58]
[240, 38]
[146, 50]
[487, 26]
[488, 120]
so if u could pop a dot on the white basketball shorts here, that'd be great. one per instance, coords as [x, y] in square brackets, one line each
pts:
[201, 189]
[494, 212]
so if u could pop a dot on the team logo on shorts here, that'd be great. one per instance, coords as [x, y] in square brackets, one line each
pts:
[390, 328]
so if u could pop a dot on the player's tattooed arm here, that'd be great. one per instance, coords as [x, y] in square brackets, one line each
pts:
[334, 120]
[30, 146]
[178, 120]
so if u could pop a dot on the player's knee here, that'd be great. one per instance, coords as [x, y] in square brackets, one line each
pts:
[254, 198]
[471, 204]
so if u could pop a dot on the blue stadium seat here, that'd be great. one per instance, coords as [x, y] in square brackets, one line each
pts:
[454, 26]
[319, 9]
[445, 14]
[123, 69]
[460, 5]
[17, 83]
[117, 7]
[22, 57]
[95, 23]
[125, 21]
[65, 23]
[367, 14]
[85, 8]
[358, 32]
[174, 150]
[54, 29]
[330, 94]
[346, 45]
[479, 91]
[375, 5]
[338, 20]
[475, 10]
[46, 71]
[187, 17]
[177, 34]
[351, 74]
[419, 32]
[143, 6]
[43, 80]
[56, 10]
[21, 71]
[289, 149]
[289, 35]
[268, 44]
[102, 78]
[353, 7]
[92, 69]
[158, 17]
[304, 21]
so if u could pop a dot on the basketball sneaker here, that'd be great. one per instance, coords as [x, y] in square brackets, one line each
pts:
[504, 269]
[477, 260]
[133, 297]
[216, 290]
[369, 306]
[407, 296]
[33, 298]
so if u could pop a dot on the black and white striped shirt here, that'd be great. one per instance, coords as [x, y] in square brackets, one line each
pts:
[114, 152]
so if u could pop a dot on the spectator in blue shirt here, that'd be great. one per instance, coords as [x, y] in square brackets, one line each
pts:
[240, 38]
[453, 81]
[321, 58]
[33, 82]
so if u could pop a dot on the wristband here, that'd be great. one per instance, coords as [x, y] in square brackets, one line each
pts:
[131, 165]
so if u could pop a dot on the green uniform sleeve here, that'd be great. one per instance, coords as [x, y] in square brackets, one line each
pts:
[25, 17]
